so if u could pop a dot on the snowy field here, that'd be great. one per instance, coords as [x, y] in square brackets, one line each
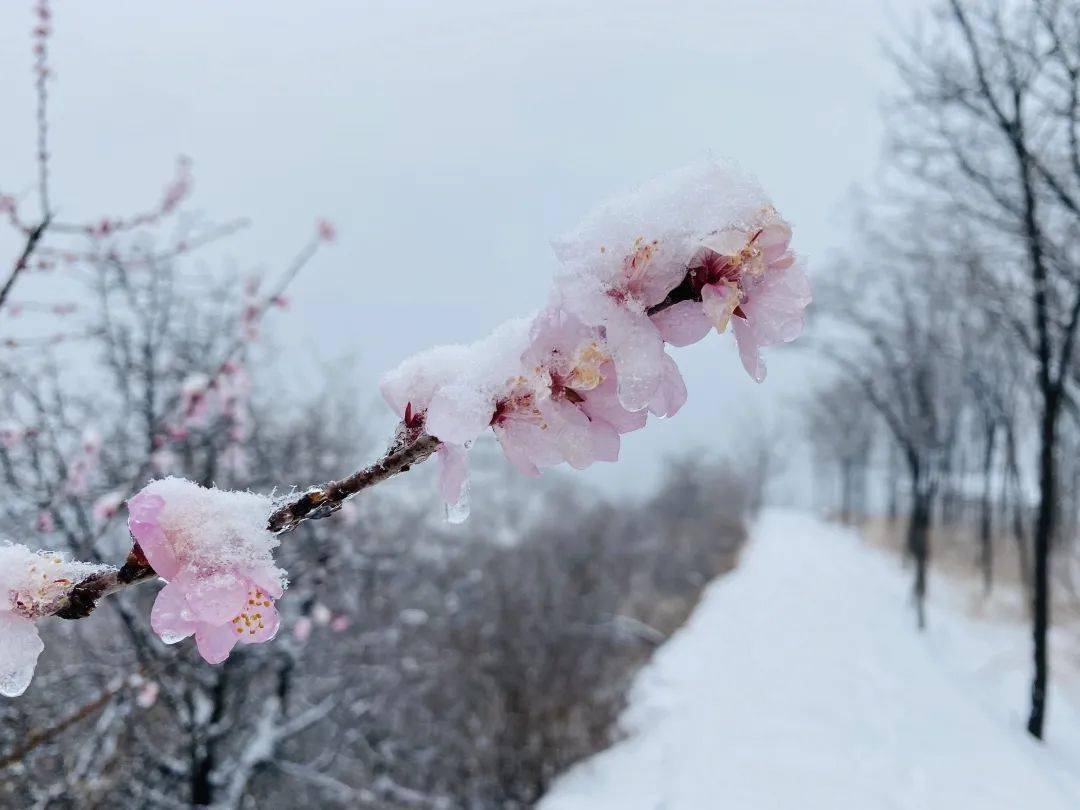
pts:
[800, 682]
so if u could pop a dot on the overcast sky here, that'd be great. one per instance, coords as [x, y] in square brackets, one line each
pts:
[449, 141]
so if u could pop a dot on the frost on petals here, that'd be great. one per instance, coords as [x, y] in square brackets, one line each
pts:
[214, 552]
[31, 583]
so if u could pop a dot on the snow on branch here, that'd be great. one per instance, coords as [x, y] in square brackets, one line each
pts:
[698, 249]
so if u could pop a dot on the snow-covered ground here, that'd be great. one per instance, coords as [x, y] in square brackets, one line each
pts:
[801, 682]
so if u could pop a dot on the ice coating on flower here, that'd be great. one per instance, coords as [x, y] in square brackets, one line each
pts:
[215, 552]
[670, 395]
[632, 251]
[454, 480]
[20, 647]
[31, 583]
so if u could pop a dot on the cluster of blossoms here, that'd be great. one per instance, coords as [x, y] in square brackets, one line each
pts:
[698, 249]
[30, 585]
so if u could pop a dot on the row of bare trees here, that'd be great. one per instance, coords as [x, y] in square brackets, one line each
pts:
[954, 319]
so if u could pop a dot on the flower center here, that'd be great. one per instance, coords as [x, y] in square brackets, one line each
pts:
[251, 617]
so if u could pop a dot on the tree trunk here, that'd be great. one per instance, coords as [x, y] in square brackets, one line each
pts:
[918, 537]
[845, 490]
[986, 517]
[893, 484]
[1044, 531]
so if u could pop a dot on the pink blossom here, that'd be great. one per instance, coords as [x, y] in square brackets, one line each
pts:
[302, 629]
[749, 278]
[107, 505]
[195, 403]
[219, 610]
[84, 463]
[772, 314]
[614, 290]
[10, 434]
[552, 415]
[326, 230]
[147, 695]
[214, 552]
[340, 623]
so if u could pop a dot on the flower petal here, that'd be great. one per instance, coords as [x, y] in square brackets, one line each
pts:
[216, 599]
[145, 507]
[719, 301]
[683, 323]
[748, 349]
[216, 642]
[170, 617]
[155, 547]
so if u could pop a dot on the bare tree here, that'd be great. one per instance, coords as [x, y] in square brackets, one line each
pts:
[990, 123]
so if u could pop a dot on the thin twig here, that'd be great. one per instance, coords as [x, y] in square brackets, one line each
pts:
[322, 501]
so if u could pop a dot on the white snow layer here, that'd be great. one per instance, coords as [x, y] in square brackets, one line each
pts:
[801, 683]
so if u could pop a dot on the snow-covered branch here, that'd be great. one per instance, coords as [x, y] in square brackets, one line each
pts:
[698, 249]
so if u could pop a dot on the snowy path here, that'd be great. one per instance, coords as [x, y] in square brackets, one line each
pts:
[800, 683]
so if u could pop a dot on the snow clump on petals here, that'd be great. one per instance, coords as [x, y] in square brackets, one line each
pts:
[213, 549]
[453, 392]
[31, 585]
[630, 253]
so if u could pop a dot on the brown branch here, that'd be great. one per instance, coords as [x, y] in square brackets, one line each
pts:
[32, 239]
[411, 446]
